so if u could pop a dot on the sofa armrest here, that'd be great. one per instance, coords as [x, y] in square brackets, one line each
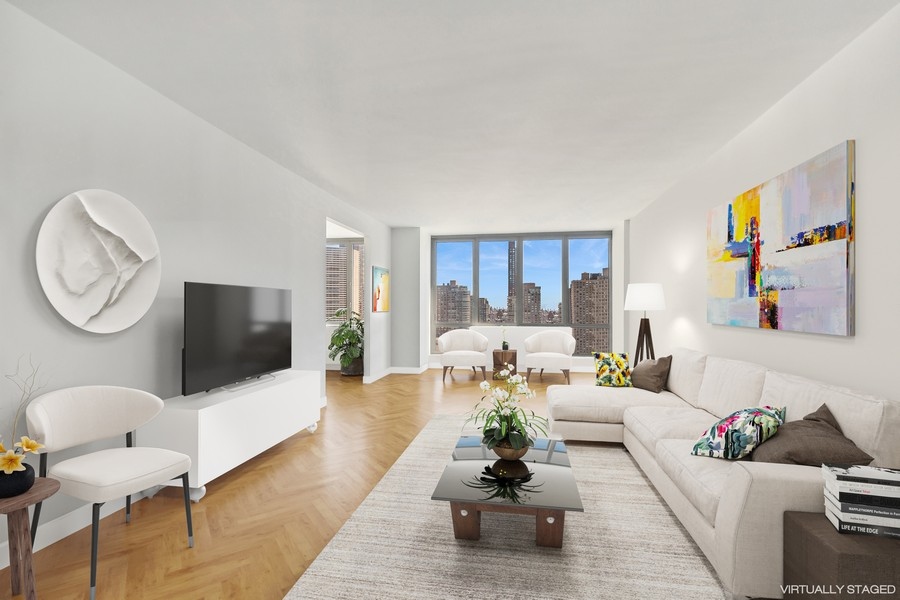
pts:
[749, 522]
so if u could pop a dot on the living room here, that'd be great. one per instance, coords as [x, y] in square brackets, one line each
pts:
[227, 208]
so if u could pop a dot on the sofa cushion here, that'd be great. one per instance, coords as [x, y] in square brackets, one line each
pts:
[649, 424]
[686, 374]
[651, 374]
[738, 434]
[613, 369]
[601, 404]
[701, 481]
[869, 421]
[730, 385]
[813, 440]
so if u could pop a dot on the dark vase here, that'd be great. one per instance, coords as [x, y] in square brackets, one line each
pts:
[354, 368]
[17, 482]
[506, 345]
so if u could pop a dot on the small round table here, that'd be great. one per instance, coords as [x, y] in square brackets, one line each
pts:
[21, 570]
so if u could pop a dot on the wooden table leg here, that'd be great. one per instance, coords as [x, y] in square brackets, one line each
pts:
[21, 571]
[550, 524]
[466, 521]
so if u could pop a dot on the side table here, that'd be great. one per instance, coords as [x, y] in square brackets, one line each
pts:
[821, 563]
[501, 359]
[21, 570]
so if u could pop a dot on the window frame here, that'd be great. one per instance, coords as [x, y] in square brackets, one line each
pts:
[519, 239]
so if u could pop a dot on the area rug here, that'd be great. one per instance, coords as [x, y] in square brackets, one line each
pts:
[399, 543]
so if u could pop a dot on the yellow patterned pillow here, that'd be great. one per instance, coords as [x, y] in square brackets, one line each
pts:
[612, 369]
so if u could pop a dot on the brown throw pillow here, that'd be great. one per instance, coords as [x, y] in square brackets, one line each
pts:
[812, 441]
[651, 374]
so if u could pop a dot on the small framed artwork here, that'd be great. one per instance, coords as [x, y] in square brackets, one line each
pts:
[381, 289]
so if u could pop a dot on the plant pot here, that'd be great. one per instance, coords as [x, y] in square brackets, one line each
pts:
[505, 451]
[505, 345]
[354, 369]
[17, 482]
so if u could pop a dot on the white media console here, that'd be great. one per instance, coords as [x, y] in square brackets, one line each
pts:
[222, 429]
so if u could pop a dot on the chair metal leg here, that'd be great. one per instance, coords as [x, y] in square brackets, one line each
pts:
[566, 373]
[542, 374]
[483, 373]
[528, 373]
[128, 508]
[187, 509]
[445, 374]
[95, 541]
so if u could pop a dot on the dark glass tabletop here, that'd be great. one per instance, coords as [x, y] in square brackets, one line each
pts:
[541, 479]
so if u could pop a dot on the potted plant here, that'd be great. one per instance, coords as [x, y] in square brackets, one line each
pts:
[347, 343]
[508, 429]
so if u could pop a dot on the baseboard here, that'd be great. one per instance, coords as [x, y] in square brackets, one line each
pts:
[409, 370]
[61, 527]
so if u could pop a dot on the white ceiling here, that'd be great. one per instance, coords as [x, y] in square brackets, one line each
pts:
[474, 115]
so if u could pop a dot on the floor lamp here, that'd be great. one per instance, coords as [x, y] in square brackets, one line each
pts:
[644, 297]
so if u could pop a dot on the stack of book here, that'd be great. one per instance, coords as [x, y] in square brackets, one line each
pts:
[862, 499]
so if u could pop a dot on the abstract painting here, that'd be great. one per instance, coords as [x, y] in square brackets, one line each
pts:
[381, 289]
[780, 255]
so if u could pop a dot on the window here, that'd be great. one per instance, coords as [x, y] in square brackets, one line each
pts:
[526, 279]
[344, 277]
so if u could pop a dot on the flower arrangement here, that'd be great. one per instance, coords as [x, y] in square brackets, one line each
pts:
[503, 421]
[12, 460]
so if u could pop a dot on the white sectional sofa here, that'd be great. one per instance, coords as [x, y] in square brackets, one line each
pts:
[732, 509]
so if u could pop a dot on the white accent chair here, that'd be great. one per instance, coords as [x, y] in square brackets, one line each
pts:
[463, 348]
[549, 350]
[74, 416]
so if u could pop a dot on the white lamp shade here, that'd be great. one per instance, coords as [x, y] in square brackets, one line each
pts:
[645, 296]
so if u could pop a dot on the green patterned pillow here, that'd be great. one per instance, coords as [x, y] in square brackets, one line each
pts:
[739, 433]
[612, 369]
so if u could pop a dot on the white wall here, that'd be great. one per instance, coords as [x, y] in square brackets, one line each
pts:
[854, 96]
[407, 352]
[221, 213]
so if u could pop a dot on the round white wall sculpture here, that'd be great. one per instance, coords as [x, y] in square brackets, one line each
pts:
[98, 261]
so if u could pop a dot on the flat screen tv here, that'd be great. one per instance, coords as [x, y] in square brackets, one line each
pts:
[233, 333]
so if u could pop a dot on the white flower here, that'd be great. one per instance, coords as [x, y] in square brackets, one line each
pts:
[504, 373]
[505, 412]
[485, 386]
[515, 379]
[500, 394]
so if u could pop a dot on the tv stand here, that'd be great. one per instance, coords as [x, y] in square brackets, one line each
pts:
[221, 429]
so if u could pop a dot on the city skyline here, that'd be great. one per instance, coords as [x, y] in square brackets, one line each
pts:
[542, 265]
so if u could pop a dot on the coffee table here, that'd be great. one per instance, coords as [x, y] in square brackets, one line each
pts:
[541, 484]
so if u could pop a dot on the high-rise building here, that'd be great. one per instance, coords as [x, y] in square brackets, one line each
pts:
[485, 314]
[589, 305]
[589, 299]
[335, 278]
[454, 303]
[531, 309]
[344, 277]
[510, 316]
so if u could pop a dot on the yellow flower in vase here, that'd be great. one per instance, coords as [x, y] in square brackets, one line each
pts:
[10, 461]
[28, 445]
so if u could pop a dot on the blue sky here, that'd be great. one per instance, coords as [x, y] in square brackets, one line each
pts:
[542, 263]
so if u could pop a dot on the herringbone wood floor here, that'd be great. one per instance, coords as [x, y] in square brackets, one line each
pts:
[262, 524]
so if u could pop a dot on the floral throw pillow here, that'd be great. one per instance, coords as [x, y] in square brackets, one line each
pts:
[739, 433]
[612, 369]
